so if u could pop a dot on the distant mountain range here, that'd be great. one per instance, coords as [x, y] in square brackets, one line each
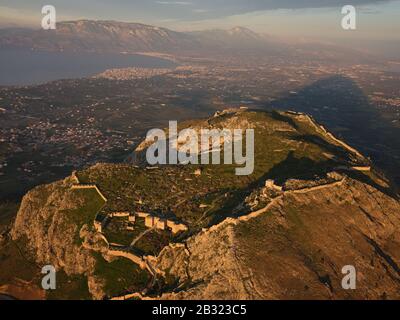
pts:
[112, 36]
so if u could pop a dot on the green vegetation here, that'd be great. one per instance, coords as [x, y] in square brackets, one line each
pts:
[70, 288]
[16, 259]
[286, 146]
[86, 213]
[8, 211]
[91, 204]
[120, 276]
[153, 242]
[116, 232]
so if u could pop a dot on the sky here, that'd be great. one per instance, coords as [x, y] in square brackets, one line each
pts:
[377, 20]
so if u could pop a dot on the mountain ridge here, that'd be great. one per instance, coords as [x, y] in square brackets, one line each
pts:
[113, 35]
[305, 196]
[106, 36]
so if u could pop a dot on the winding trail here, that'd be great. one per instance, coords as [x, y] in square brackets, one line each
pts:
[141, 235]
[232, 221]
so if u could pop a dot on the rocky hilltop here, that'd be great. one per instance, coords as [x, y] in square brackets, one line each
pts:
[97, 36]
[312, 206]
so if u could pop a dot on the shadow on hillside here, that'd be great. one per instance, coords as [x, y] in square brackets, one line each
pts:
[339, 152]
[283, 118]
[307, 169]
[359, 176]
[297, 168]
[340, 105]
[293, 168]
[290, 168]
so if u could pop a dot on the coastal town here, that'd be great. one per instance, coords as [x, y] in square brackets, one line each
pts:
[72, 124]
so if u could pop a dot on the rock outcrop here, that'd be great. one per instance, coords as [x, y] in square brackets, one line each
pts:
[286, 232]
[296, 249]
[55, 239]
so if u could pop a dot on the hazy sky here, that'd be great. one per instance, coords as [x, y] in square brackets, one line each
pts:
[319, 19]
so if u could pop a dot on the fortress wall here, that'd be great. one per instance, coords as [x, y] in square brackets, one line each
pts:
[270, 184]
[120, 214]
[98, 226]
[275, 201]
[324, 186]
[142, 214]
[362, 169]
[151, 269]
[89, 186]
[75, 178]
[149, 221]
[365, 169]
[134, 258]
[175, 227]
[105, 239]
[343, 144]
[319, 127]
[136, 295]
[161, 224]
[148, 261]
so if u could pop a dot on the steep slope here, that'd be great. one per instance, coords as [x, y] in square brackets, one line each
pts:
[116, 37]
[312, 206]
[100, 36]
[297, 248]
[238, 38]
[113, 36]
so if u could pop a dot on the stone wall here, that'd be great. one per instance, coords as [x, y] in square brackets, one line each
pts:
[75, 178]
[319, 127]
[128, 255]
[89, 186]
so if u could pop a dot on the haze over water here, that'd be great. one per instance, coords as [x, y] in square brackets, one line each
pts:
[25, 67]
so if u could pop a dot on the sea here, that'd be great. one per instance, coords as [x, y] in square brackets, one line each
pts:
[20, 67]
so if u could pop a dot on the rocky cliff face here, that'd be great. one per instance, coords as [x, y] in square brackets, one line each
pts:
[45, 220]
[40, 218]
[253, 239]
[296, 249]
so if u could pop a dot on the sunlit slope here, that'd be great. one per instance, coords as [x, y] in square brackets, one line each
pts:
[312, 205]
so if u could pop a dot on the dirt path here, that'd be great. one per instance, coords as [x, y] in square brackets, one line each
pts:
[141, 236]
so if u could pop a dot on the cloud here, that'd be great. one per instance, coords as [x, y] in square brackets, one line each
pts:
[182, 10]
[370, 11]
[224, 8]
[200, 10]
[179, 3]
[221, 8]
[193, 10]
